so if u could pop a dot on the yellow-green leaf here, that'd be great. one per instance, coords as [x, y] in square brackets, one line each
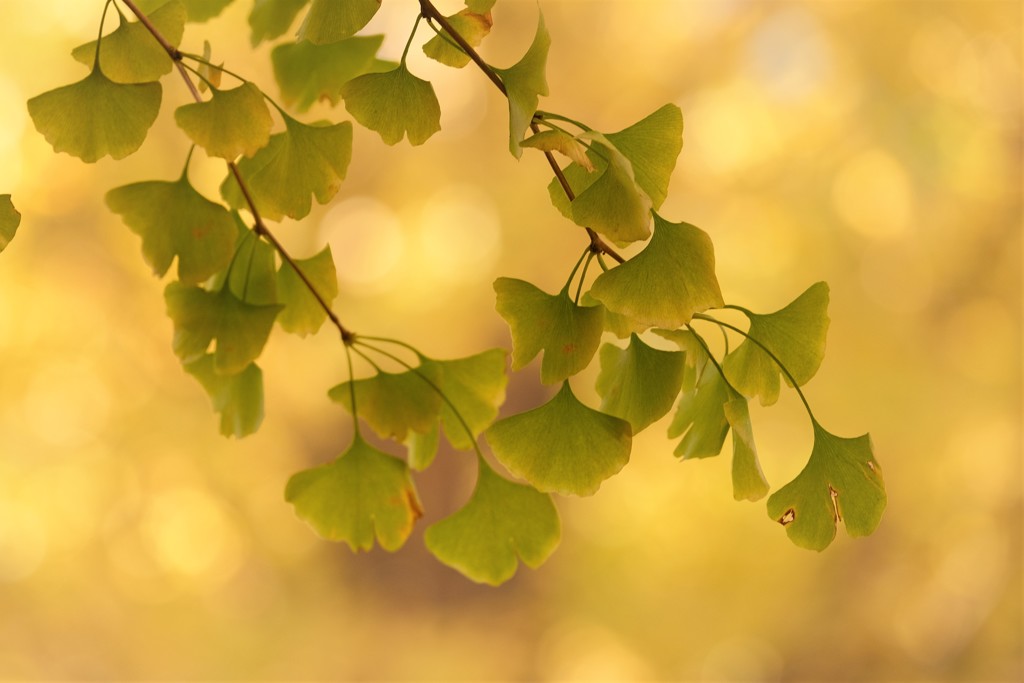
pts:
[231, 123]
[238, 398]
[204, 10]
[748, 482]
[473, 27]
[130, 54]
[652, 146]
[525, 81]
[475, 386]
[270, 19]
[329, 21]
[560, 141]
[302, 313]
[307, 73]
[394, 104]
[9, 220]
[614, 204]
[638, 383]
[393, 403]
[700, 417]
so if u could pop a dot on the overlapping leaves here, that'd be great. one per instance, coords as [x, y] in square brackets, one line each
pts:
[233, 122]
[525, 81]
[129, 54]
[307, 72]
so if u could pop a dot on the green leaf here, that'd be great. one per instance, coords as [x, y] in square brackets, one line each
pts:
[614, 204]
[394, 104]
[473, 27]
[200, 317]
[480, 6]
[129, 54]
[502, 522]
[475, 385]
[329, 21]
[9, 220]
[237, 398]
[362, 494]
[693, 351]
[666, 283]
[96, 117]
[700, 418]
[393, 403]
[303, 160]
[795, 335]
[525, 81]
[560, 141]
[652, 146]
[620, 325]
[422, 447]
[253, 277]
[841, 482]
[562, 446]
[174, 220]
[270, 19]
[638, 383]
[567, 334]
[302, 312]
[209, 74]
[748, 482]
[307, 72]
[233, 122]
[204, 10]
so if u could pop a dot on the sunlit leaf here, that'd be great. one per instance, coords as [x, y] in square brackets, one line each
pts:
[363, 494]
[525, 81]
[795, 335]
[394, 104]
[302, 312]
[238, 329]
[238, 398]
[129, 54]
[620, 325]
[96, 117]
[666, 283]
[307, 72]
[614, 204]
[303, 160]
[560, 141]
[652, 146]
[393, 403]
[841, 482]
[562, 446]
[480, 6]
[9, 220]
[270, 19]
[700, 418]
[329, 21]
[748, 482]
[204, 10]
[567, 334]
[473, 27]
[638, 383]
[422, 447]
[502, 523]
[253, 277]
[175, 221]
[209, 75]
[475, 385]
[231, 123]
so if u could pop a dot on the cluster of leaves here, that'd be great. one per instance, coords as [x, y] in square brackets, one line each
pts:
[234, 281]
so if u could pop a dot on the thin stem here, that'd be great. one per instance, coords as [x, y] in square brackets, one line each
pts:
[199, 60]
[545, 115]
[428, 10]
[188, 160]
[575, 268]
[99, 34]
[583, 276]
[711, 357]
[352, 389]
[408, 43]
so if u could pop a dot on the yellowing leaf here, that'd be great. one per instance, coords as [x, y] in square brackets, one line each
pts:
[253, 275]
[302, 313]
[841, 482]
[270, 19]
[475, 385]
[307, 72]
[96, 117]
[652, 146]
[562, 446]
[748, 482]
[9, 220]
[700, 418]
[666, 283]
[232, 123]
[363, 494]
[175, 221]
[638, 383]
[304, 160]
[204, 10]
[525, 81]
[795, 335]
[237, 398]
[560, 141]
[393, 403]
[473, 27]
[502, 523]
[329, 21]
[209, 75]
[130, 54]
[614, 204]
[567, 334]
[394, 104]
[422, 447]
[480, 6]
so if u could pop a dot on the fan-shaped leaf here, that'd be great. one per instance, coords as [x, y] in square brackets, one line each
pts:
[394, 104]
[238, 398]
[480, 6]
[471, 26]
[204, 10]
[475, 385]
[129, 54]
[638, 383]
[560, 141]
[302, 312]
[270, 19]
[231, 123]
[393, 403]
[329, 21]
[253, 276]
[562, 446]
[525, 81]
[748, 482]
[652, 146]
[700, 418]
[307, 72]
[614, 204]
[422, 447]
[9, 220]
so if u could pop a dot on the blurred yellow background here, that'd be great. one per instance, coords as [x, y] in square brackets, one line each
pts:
[875, 145]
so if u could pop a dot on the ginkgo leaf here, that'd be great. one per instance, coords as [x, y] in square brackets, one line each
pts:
[748, 482]
[567, 334]
[200, 317]
[422, 447]
[525, 81]
[842, 482]
[329, 21]
[96, 117]
[253, 276]
[9, 220]
[666, 283]
[175, 221]
[130, 54]
[480, 6]
[638, 383]
[696, 357]
[652, 146]
[363, 494]
[394, 104]
[302, 313]
[204, 10]
[270, 19]
[700, 418]
[503, 522]
[473, 27]
[393, 403]
[231, 123]
[562, 446]
[475, 385]
[794, 334]
[306, 72]
[560, 141]
[614, 204]
[237, 398]
[209, 74]
[620, 325]
[303, 160]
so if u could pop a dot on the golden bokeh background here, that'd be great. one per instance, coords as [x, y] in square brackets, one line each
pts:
[875, 145]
